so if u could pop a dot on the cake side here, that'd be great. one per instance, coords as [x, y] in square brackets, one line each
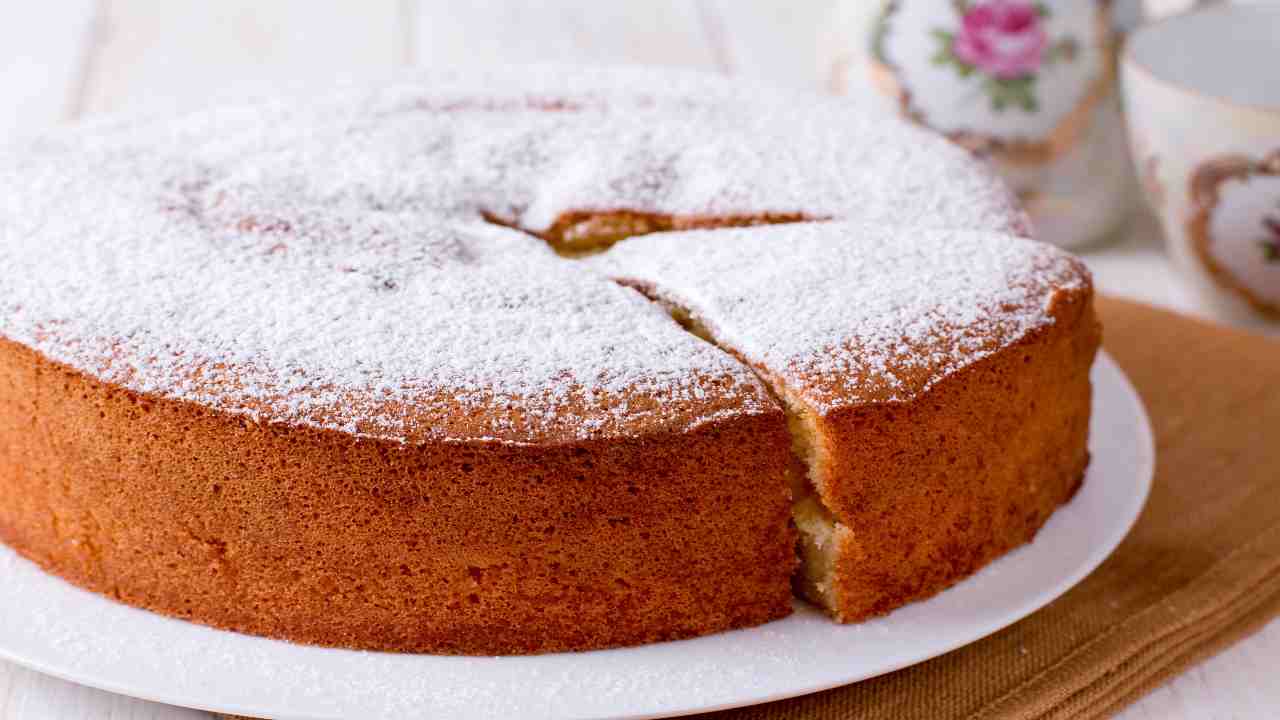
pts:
[321, 537]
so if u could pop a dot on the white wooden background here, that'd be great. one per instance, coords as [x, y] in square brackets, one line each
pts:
[65, 59]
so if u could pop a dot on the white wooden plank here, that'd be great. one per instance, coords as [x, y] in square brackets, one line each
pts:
[487, 32]
[162, 54]
[43, 46]
[769, 40]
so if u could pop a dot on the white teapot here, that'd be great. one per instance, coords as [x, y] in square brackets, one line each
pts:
[1027, 84]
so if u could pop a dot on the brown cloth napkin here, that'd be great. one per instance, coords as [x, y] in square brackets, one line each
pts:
[1199, 571]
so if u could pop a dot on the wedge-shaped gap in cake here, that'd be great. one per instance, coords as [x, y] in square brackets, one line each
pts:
[818, 530]
[936, 385]
[581, 233]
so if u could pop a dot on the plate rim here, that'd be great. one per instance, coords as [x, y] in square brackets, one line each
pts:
[1144, 451]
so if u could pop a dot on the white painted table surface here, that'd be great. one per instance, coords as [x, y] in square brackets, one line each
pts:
[64, 59]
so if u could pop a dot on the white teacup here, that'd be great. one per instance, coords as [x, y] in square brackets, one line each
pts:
[1203, 95]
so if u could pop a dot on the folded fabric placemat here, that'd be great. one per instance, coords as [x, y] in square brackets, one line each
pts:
[1200, 570]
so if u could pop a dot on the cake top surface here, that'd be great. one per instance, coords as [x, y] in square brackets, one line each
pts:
[322, 261]
[847, 314]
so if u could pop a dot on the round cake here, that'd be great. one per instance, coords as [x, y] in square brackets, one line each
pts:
[494, 363]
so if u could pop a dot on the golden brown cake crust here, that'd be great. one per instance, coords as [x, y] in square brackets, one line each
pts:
[320, 537]
[935, 488]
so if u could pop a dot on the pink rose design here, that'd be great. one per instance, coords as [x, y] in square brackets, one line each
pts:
[1003, 38]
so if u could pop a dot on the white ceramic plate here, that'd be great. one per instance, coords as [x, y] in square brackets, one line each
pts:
[55, 628]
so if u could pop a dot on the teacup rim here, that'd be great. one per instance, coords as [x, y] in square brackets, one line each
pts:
[1130, 60]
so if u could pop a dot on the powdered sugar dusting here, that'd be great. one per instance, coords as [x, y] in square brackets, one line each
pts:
[320, 261]
[847, 313]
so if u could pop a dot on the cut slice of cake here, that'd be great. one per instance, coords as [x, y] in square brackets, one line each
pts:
[937, 386]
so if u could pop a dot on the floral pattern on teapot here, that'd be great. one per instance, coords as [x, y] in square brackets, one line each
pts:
[1008, 43]
[1015, 79]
